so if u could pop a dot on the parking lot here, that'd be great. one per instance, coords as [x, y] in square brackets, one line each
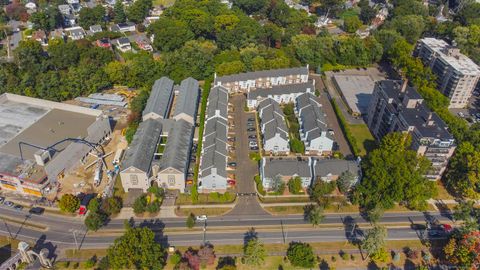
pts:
[472, 113]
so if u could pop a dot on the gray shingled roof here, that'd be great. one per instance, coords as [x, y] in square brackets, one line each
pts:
[272, 119]
[324, 167]
[312, 118]
[177, 150]
[144, 145]
[262, 74]
[187, 100]
[160, 97]
[286, 167]
[277, 90]
[217, 100]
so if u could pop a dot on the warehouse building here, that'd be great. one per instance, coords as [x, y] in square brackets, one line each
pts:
[44, 137]
[356, 91]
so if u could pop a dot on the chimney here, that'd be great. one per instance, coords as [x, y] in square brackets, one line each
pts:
[430, 121]
[404, 86]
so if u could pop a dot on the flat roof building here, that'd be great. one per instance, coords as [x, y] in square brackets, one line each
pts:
[457, 75]
[396, 107]
[356, 91]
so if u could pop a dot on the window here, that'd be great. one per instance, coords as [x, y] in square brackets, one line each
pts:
[171, 180]
[134, 179]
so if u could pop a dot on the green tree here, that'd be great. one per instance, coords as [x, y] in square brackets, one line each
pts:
[170, 34]
[136, 249]
[95, 220]
[394, 173]
[346, 181]
[410, 26]
[140, 204]
[47, 19]
[297, 146]
[301, 255]
[91, 16]
[190, 221]
[119, 11]
[112, 205]
[139, 10]
[94, 205]
[254, 252]
[250, 6]
[315, 215]
[69, 203]
[463, 176]
[320, 189]
[352, 24]
[374, 241]
[295, 185]
[367, 13]
[228, 68]
[468, 15]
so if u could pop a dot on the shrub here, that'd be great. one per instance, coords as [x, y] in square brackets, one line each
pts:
[175, 258]
[140, 204]
[190, 221]
[352, 257]
[112, 205]
[344, 255]
[334, 259]
[90, 263]
[259, 184]
[69, 203]
[346, 130]
[412, 254]
[301, 254]
[75, 265]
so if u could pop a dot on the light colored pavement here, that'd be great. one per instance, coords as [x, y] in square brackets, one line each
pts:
[332, 120]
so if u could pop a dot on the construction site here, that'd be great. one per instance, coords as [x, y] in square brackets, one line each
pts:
[50, 148]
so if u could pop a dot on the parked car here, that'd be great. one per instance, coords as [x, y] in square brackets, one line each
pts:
[252, 137]
[232, 164]
[18, 207]
[231, 139]
[461, 114]
[85, 199]
[201, 218]
[251, 119]
[37, 210]
[252, 143]
[9, 204]
[251, 129]
[254, 148]
[250, 124]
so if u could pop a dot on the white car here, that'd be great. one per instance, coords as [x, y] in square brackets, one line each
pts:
[201, 218]
[252, 143]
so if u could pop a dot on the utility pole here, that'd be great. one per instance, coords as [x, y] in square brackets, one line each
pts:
[8, 229]
[283, 232]
[204, 232]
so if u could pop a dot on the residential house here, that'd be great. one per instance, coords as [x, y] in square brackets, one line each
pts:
[314, 131]
[57, 33]
[284, 169]
[69, 20]
[75, 33]
[123, 44]
[104, 43]
[96, 29]
[137, 162]
[273, 128]
[173, 167]
[65, 9]
[41, 37]
[328, 170]
[160, 100]
[143, 43]
[186, 105]
[282, 94]
[123, 27]
[246, 82]
[396, 107]
[213, 161]
[149, 20]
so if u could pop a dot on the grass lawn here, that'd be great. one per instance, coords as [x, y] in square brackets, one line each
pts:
[118, 189]
[281, 199]
[291, 210]
[212, 198]
[365, 140]
[351, 12]
[443, 193]
[183, 212]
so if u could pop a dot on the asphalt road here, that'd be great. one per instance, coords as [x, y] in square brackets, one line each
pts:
[60, 229]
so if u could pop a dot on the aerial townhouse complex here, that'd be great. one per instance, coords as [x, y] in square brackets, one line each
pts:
[457, 75]
[309, 170]
[282, 94]
[313, 126]
[396, 107]
[213, 162]
[145, 162]
[246, 82]
[273, 127]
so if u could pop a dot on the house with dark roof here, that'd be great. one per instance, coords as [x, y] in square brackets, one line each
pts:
[284, 169]
[137, 163]
[123, 44]
[186, 104]
[246, 82]
[173, 166]
[95, 29]
[75, 33]
[328, 170]
[160, 99]
[213, 161]
[123, 27]
[397, 107]
[282, 94]
[313, 125]
[273, 128]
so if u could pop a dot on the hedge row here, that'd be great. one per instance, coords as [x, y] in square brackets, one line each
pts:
[346, 130]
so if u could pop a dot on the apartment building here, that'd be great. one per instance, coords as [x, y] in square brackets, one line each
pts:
[457, 75]
[396, 107]
[282, 94]
[246, 82]
[273, 128]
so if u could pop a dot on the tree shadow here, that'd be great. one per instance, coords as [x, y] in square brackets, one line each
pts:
[369, 145]
[352, 231]
[323, 265]
[249, 235]
[409, 265]
[224, 261]
[157, 226]
[372, 266]
[444, 210]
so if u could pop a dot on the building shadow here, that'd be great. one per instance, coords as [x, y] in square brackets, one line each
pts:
[41, 243]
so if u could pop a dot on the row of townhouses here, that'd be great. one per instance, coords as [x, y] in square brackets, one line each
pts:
[308, 169]
[273, 128]
[144, 163]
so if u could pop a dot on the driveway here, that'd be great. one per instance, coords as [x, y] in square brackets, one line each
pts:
[246, 169]
[332, 120]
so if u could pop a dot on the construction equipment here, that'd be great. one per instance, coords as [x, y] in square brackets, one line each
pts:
[100, 162]
[127, 94]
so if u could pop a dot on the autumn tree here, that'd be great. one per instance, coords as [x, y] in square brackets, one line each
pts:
[69, 203]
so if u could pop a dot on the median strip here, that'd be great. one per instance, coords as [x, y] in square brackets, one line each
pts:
[25, 224]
